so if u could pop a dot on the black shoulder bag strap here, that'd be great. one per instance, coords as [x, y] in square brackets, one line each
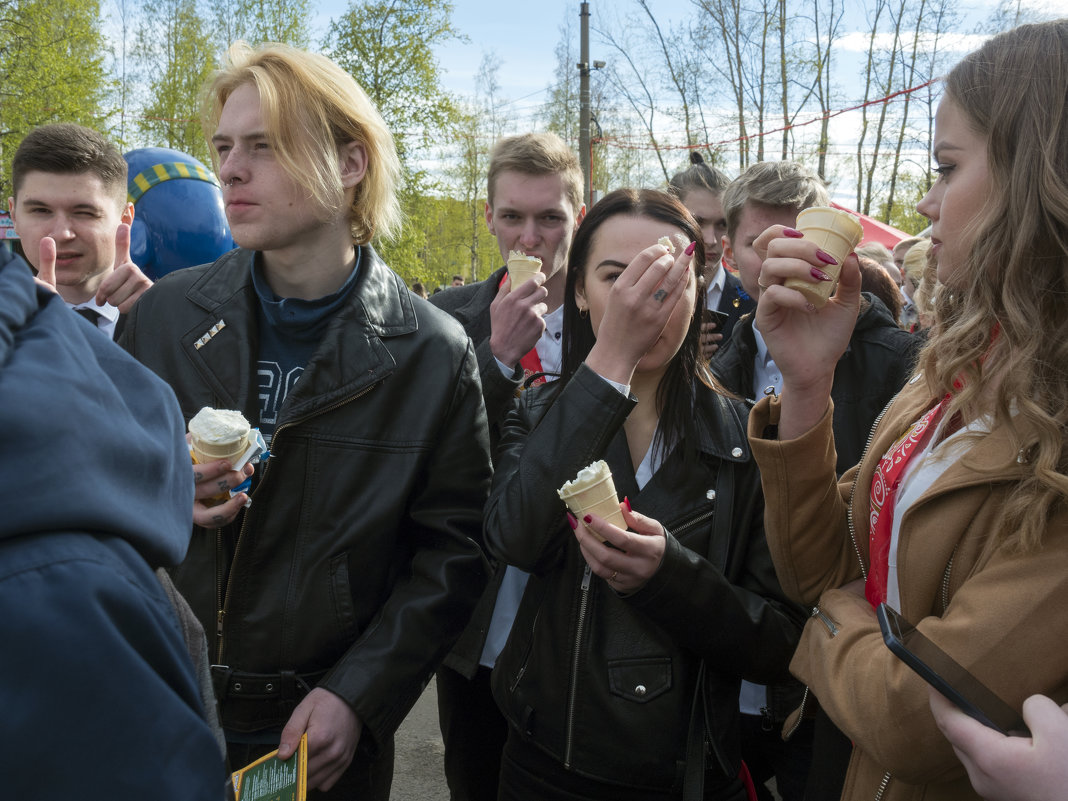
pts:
[693, 783]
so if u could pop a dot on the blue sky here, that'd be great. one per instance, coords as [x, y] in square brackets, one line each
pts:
[524, 35]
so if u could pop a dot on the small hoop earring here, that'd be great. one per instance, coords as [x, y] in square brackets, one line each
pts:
[584, 313]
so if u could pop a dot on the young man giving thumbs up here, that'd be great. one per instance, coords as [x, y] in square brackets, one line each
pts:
[70, 211]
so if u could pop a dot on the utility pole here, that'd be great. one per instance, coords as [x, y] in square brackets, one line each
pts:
[584, 101]
[584, 68]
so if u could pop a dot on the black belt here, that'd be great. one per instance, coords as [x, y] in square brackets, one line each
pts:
[286, 685]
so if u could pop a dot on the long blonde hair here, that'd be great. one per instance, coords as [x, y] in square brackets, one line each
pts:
[923, 272]
[311, 107]
[1003, 329]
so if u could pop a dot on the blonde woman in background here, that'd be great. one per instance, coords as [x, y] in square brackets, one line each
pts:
[921, 278]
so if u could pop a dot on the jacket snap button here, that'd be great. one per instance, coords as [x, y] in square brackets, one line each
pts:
[736, 453]
[711, 495]
[640, 690]
[269, 687]
[237, 687]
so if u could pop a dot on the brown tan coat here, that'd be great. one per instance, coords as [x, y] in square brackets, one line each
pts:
[1003, 616]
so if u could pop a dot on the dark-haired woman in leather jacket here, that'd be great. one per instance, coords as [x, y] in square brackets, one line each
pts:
[620, 677]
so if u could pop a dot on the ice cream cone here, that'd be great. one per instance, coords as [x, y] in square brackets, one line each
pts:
[593, 492]
[218, 434]
[522, 267]
[836, 232]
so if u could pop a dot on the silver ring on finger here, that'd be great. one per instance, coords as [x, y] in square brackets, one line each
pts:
[613, 576]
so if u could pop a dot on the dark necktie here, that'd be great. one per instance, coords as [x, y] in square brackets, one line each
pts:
[89, 314]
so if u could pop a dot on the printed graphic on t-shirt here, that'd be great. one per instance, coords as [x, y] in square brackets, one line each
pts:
[274, 386]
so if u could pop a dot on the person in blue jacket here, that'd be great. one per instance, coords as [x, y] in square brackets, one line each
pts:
[99, 694]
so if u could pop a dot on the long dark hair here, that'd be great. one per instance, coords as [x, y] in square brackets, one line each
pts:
[675, 394]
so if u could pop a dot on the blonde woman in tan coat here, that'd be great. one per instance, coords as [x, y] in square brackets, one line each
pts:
[958, 512]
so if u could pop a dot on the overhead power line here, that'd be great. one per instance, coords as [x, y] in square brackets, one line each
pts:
[621, 144]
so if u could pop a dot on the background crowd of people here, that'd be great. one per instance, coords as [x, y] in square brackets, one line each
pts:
[783, 470]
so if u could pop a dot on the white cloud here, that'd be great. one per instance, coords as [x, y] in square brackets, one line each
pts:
[1051, 7]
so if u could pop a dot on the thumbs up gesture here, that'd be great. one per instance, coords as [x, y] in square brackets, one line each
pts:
[46, 271]
[126, 283]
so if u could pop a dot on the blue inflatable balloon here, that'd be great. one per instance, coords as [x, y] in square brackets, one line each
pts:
[179, 219]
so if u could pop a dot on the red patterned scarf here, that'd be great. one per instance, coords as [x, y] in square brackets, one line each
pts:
[884, 486]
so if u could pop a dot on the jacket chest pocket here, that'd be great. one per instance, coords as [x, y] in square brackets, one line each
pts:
[639, 680]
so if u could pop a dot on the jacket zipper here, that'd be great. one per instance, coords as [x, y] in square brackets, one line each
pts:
[800, 716]
[580, 630]
[882, 786]
[572, 690]
[853, 536]
[825, 619]
[816, 612]
[218, 595]
[945, 579]
[225, 598]
[675, 531]
[853, 493]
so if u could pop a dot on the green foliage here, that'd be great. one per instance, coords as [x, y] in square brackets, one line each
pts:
[51, 70]
[258, 21]
[388, 47]
[468, 170]
[177, 53]
[437, 243]
[479, 125]
[910, 190]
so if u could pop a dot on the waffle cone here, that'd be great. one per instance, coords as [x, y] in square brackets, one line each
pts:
[835, 232]
[599, 499]
[522, 270]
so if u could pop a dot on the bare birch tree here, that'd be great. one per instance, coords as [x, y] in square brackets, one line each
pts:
[634, 84]
[722, 21]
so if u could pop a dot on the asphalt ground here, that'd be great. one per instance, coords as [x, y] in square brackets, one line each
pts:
[418, 772]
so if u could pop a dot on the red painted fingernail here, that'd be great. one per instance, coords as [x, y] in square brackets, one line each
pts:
[826, 258]
[587, 519]
[626, 502]
[690, 248]
[793, 233]
[819, 275]
[571, 521]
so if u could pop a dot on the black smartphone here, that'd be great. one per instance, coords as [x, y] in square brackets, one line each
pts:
[714, 316]
[944, 674]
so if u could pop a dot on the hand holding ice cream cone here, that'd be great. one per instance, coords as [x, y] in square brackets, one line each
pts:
[592, 491]
[218, 434]
[805, 345]
[625, 558]
[521, 267]
[223, 446]
[836, 233]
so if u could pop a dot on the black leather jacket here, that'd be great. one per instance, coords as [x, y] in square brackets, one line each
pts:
[358, 562]
[470, 306]
[734, 303]
[876, 363]
[604, 683]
